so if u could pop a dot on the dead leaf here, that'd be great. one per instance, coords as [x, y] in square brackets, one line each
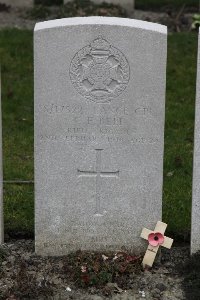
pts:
[96, 267]
[83, 269]
[169, 174]
[104, 257]
[114, 287]
[85, 278]
[131, 258]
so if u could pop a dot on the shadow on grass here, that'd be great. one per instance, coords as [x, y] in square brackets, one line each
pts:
[191, 273]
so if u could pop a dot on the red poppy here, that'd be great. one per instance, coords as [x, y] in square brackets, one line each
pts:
[156, 239]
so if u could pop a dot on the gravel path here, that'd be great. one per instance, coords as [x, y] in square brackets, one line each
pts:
[23, 275]
[18, 18]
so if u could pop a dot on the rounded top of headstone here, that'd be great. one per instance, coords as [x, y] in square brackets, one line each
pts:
[126, 22]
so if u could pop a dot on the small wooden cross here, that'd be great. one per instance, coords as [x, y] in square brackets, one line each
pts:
[157, 238]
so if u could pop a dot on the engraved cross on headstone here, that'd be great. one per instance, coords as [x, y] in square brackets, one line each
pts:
[98, 173]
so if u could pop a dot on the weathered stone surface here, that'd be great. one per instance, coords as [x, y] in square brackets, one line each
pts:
[18, 3]
[99, 124]
[127, 4]
[1, 177]
[195, 228]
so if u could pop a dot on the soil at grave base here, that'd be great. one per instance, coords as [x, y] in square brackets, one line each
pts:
[90, 276]
[25, 19]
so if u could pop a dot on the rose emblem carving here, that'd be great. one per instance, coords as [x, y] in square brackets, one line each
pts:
[99, 71]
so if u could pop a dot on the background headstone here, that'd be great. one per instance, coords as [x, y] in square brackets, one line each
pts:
[18, 3]
[195, 229]
[99, 132]
[1, 176]
[127, 4]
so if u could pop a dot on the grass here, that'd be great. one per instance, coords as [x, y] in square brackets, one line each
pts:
[17, 87]
[181, 82]
[16, 51]
[158, 4]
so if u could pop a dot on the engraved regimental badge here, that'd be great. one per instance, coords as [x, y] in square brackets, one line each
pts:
[99, 71]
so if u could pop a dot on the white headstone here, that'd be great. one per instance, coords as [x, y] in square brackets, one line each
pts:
[18, 3]
[127, 4]
[195, 228]
[99, 132]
